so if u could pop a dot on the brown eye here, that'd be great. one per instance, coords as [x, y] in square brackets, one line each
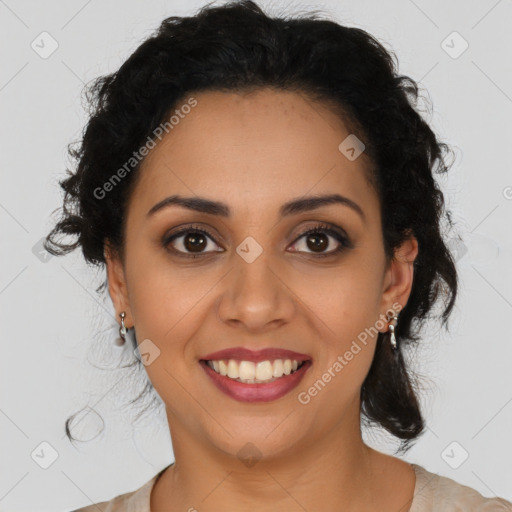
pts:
[317, 240]
[191, 241]
[194, 242]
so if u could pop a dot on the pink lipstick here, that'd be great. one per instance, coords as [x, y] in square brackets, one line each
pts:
[281, 383]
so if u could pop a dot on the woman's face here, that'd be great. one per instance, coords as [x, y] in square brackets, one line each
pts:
[255, 282]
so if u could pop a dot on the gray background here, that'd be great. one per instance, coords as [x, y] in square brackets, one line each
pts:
[49, 310]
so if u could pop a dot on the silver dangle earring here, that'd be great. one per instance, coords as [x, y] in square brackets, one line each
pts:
[392, 338]
[122, 331]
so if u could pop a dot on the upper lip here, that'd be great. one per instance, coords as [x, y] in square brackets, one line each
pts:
[245, 354]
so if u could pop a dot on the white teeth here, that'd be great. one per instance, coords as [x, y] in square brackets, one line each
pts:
[278, 370]
[246, 370]
[233, 369]
[263, 370]
[223, 367]
[250, 372]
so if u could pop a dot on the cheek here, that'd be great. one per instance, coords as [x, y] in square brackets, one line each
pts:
[168, 304]
[343, 308]
[168, 307]
[345, 299]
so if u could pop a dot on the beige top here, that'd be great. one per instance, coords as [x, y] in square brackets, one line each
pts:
[432, 493]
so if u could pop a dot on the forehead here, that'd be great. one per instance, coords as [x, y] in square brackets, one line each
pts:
[252, 151]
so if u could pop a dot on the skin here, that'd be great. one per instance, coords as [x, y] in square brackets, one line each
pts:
[255, 152]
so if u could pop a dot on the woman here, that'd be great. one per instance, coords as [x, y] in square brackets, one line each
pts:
[261, 192]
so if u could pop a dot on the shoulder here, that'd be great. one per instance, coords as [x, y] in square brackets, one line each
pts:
[438, 493]
[134, 501]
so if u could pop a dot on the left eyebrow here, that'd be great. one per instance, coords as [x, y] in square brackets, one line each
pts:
[309, 203]
[299, 205]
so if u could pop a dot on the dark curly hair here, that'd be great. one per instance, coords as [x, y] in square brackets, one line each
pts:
[238, 48]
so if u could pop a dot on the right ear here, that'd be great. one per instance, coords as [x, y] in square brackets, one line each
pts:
[117, 283]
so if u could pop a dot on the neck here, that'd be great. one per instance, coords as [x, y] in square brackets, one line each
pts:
[337, 468]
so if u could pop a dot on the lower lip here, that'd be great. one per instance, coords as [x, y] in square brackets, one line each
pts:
[256, 392]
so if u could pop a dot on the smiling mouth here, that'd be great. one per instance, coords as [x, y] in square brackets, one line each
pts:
[249, 372]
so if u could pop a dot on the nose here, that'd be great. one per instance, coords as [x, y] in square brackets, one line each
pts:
[255, 296]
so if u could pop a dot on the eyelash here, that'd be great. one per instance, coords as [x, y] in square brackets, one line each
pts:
[321, 228]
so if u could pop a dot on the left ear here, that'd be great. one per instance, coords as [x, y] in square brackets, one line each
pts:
[399, 276]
